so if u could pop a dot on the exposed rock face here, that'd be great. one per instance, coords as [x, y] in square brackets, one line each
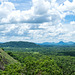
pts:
[5, 59]
[2, 62]
[2, 66]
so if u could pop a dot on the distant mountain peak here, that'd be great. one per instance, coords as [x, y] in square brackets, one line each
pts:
[61, 42]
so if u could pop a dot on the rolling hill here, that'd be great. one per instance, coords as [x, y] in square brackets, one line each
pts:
[19, 44]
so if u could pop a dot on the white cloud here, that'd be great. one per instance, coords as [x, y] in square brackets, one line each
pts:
[72, 23]
[40, 6]
[40, 12]
[68, 7]
[5, 9]
[40, 23]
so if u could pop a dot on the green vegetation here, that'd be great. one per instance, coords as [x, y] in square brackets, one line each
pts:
[9, 59]
[19, 44]
[38, 61]
[6, 59]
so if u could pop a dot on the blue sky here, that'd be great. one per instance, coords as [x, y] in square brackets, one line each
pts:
[37, 20]
[22, 4]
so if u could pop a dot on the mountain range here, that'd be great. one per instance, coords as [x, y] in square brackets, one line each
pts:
[59, 43]
[24, 44]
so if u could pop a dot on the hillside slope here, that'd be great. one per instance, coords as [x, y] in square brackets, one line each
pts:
[19, 44]
[5, 59]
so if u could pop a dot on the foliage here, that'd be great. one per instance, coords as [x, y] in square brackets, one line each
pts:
[19, 44]
[41, 61]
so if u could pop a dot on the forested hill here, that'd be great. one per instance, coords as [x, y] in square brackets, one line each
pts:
[19, 44]
[6, 59]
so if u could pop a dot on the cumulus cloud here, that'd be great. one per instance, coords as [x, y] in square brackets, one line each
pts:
[68, 7]
[40, 12]
[42, 22]
[41, 6]
[72, 23]
[5, 9]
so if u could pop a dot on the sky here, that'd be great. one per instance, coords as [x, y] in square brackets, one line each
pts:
[37, 20]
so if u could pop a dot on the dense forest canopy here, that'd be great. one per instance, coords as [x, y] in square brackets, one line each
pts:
[15, 59]
[19, 44]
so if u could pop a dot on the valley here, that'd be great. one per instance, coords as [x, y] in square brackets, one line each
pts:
[40, 60]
